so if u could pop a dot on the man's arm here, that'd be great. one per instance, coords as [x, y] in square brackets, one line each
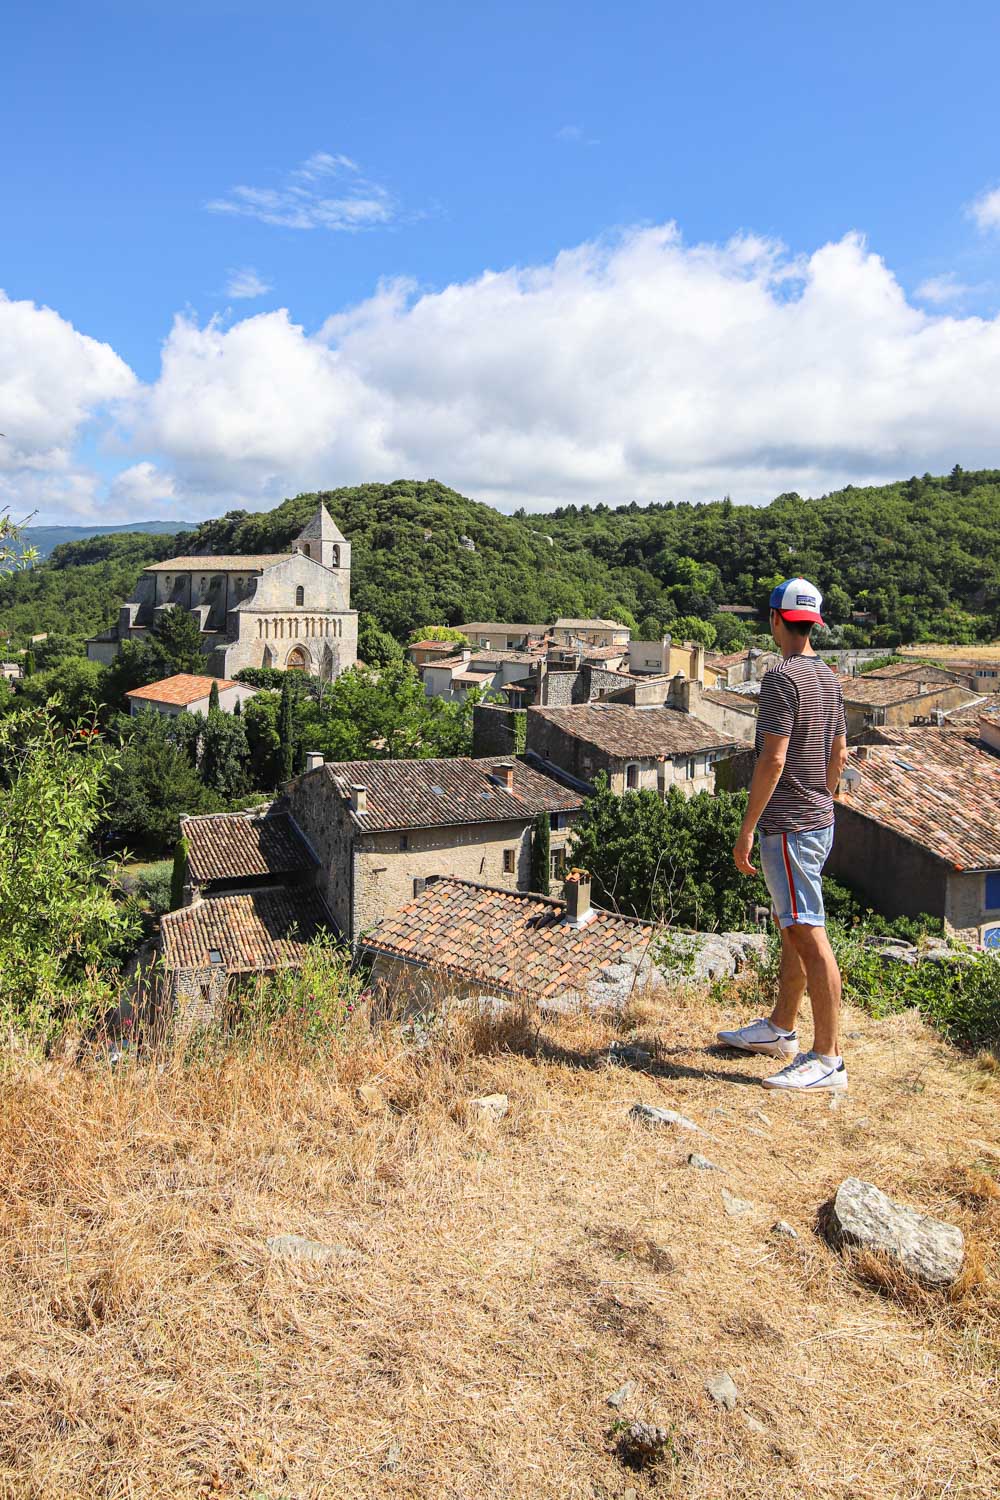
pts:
[837, 762]
[767, 774]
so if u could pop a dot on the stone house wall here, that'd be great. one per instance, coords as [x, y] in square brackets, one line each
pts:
[901, 715]
[898, 878]
[585, 761]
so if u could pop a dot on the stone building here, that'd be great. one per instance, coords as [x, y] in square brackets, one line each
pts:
[290, 610]
[917, 829]
[894, 702]
[186, 693]
[381, 828]
[636, 748]
[594, 632]
[459, 940]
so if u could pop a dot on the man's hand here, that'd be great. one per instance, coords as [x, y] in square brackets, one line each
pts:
[742, 850]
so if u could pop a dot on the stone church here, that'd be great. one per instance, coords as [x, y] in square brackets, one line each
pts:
[290, 610]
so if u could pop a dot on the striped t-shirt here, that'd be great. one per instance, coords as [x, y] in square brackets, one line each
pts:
[801, 698]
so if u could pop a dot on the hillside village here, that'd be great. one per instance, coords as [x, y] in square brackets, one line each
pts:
[427, 865]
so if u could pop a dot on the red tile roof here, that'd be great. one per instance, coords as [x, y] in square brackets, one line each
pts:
[234, 846]
[258, 931]
[936, 790]
[881, 691]
[442, 793]
[252, 563]
[620, 731]
[182, 688]
[507, 941]
[914, 670]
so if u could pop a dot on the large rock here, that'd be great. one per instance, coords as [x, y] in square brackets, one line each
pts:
[653, 1114]
[931, 1251]
[704, 956]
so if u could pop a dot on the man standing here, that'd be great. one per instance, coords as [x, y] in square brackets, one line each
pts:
[801, 752]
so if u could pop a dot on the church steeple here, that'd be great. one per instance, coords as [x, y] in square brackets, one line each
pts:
[322, 540]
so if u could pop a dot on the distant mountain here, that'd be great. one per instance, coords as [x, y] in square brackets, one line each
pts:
[45, 538]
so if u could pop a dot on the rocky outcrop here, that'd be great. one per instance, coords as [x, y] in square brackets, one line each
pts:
[864, 1217]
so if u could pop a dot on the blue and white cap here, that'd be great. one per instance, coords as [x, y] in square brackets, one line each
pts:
[798, 599]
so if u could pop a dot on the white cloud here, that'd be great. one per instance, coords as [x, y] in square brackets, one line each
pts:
[576, 135]
[53, 381]
[245, 283]
[135, 490]
[309, 198]
[635, 367]
[943, 289]
[984, 211]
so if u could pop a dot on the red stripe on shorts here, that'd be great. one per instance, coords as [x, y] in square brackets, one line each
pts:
[788, 872]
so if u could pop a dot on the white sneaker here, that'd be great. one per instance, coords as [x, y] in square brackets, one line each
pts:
[809, 1071]
[761, 1036]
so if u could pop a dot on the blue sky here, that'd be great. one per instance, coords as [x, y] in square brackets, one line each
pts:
[168, 158]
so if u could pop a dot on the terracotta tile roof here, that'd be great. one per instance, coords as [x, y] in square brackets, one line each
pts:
[595, 624]
[937, 790]
[604, 653]
[261, 930]
[507, 941]
[184, 687]
[473, 678]
[254, 563]
[909, 669]
[881, 691]
[741, 703]
[233, 846]
[620, 731]
[442, 793]
[983, 703]
[730, 659]
[444, 646]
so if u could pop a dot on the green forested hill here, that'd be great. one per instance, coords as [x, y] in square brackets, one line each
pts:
[923, 555]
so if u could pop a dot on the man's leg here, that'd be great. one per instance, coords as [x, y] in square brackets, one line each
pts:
[791, 984]
[812, 947]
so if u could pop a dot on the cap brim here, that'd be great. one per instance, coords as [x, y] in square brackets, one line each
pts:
[801, 614]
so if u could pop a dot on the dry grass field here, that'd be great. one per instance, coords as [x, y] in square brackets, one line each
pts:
[506, 1277]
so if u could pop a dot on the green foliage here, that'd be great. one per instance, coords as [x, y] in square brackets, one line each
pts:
[224, 755]
[667, 859]
[689, 628]
[154, 886]
[438, 633]
[75, 687]
[260, 725]
[213, 696]
[152, 781]
[176, 640]
[60, 926]
[262, 677]
[28, 664]
[288, 736]
[178, 877]
[376, 647]
[385, 716]
[650, 629]
[540, 845]
[876, 663]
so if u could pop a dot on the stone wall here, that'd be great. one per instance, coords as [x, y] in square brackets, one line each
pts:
[498, 731]
[966, 910]
[584, 761]
[897, 877]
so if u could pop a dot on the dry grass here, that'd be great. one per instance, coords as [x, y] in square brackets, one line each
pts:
[510, 1276]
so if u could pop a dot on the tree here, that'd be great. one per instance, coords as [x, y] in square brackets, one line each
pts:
[260, 723]
[213, 696]
[385, 716]
[178, 878]
[377, 648]
[667, 859]
[151, 783]
[689, 628]
[225, 755]
[540, 860]
[438, 633]
[176, 638]
[288, 741]
[58, 916]
[650, 629]
[28, 665]
[74, 687]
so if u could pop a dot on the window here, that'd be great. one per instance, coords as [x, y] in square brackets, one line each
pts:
[404, 841]
[509, 861]
[305, 549]
[631, 776]
[690, 765]
[993, 890]
[557, 864]
[300, 595]
[557, 821]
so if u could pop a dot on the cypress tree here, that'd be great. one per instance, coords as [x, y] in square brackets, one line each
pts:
[28, 665]
[540, 854]
[213, 696]
[179, 876]
[286, 730]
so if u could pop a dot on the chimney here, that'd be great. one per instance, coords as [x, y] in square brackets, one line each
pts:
[698, 675]
[863, 752]
[504, 774]
[359, 799]
[576, 893]
[314, 759]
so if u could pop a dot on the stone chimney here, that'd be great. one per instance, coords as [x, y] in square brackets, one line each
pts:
[504, 774]
[863, 752]
[576, 893]
[314, 759]
[698, 674]
[359, 799]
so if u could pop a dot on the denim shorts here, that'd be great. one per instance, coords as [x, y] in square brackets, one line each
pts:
[793, 869]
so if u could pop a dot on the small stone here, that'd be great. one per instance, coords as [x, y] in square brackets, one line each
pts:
[983, 1148]
[624, 1393]
[735, 1206]
[930, 1250]
[312, 1252]
[631, 1494]
[754, 1425]
[489, 1107]
[393, 1455]
[853, 1036]
[371, 1097]
[766, 1119]
[652, 1114]
[641, 1443]
[785, 1230]
[835, 1102]
[629, 1057]
[702, 1163]
[723, 1391]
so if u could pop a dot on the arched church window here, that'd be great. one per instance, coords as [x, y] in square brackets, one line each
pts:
[305, 549]
[300, 595]
[335, 557]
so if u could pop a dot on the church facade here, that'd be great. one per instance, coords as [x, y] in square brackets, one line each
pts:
[287, 610]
